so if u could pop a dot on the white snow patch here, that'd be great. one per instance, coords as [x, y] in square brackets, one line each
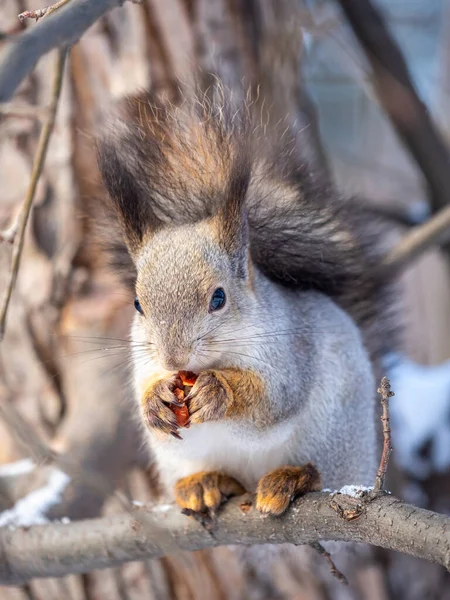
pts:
[65, 520]
[31, 509]
[162, 507]
[20, 467]
[356, 491]
[420, 415]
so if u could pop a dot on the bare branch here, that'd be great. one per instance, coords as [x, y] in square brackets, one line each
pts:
[33, 14]
[420, 238]
[64, 28]
[333, 569]
[26, 111]
[57, 550]
[385, 391]
[38, 164]
[397, 95]
[41, 12]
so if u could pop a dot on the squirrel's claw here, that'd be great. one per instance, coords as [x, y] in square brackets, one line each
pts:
[279, 487]
[175, 402]
[208, 399]
[160, 418]
[157, 406]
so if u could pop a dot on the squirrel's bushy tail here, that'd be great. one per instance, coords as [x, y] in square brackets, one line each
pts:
[173, 163]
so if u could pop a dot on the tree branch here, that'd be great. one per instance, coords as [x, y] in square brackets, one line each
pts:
[416, 242]
[41, 12]
[385, 391]
[62, 28]
[56, 550]
[397, 95]
[18, 231]
[25, 111]
[327, 556]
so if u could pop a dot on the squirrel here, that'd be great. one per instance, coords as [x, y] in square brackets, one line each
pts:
[253, 275]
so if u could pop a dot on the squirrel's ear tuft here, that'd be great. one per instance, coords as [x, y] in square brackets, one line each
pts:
[121, 166]
[232, 217]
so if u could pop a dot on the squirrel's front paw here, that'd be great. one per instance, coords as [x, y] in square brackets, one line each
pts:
[155, 405]
[204, 492]
[209, 398]
[277, 489]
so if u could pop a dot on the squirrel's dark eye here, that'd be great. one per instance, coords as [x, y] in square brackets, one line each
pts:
[137, 306]
[217, 300]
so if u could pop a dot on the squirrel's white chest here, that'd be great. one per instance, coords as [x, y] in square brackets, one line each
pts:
[242, 452]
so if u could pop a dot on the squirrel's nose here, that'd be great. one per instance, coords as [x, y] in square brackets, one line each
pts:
[175, 361]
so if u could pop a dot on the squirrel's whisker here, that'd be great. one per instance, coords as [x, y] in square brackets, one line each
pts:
[212, 330]
[240, 354]
[275, 334]
[71, 354]
[102, 339]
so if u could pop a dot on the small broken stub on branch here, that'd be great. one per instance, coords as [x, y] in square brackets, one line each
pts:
[186, 381]
[33, 14]
[347, 507]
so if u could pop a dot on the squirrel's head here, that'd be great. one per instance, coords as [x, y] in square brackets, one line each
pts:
[178, 186]
[191, 289]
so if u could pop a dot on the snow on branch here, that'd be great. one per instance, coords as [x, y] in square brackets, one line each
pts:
[55, 550]
[32, 509]
[20, 467]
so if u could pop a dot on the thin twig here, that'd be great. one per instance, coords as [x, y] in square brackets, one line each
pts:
[38, 164]
[397, 95]
[33, 14]
[419, 239]
[11, 109]
[42, 12]
[333, 569]
[385, 391]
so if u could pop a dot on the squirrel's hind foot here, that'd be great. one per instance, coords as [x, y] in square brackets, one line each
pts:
[277, 489]
[204, 492]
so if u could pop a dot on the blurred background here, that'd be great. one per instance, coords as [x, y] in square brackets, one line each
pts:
[64, 366]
